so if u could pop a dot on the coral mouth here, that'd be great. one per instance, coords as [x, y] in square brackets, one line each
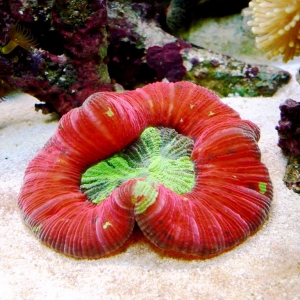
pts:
[160, 155]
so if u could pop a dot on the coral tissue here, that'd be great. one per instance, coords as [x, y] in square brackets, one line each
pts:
[170, 157]
[277, 24]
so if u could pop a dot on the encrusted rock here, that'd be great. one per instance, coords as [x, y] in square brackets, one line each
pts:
[88, 46]
[292, 174]
[289, 127]
[156, 55]
[289, 141]
[70, 62]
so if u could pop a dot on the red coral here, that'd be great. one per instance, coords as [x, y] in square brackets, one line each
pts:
[229, 201]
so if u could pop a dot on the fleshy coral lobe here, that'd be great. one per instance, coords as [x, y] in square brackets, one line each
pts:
[228, 190]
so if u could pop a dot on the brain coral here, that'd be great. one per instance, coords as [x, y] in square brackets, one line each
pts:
[170, 157]
[277, 25]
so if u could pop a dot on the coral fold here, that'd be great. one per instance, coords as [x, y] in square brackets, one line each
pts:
[229, 201]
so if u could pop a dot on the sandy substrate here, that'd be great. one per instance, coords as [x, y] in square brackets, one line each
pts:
[266, 266]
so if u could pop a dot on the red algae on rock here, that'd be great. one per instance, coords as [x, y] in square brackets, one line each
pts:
[167, 61]
[169, 156]
[70, 63]
[83, 49]
[289, 141]
[289, 127]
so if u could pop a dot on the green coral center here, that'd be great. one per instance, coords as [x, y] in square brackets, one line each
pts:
[159, 155]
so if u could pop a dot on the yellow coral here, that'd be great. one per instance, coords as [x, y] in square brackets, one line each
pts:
[19, 36]
[5, 90]
[276, 22]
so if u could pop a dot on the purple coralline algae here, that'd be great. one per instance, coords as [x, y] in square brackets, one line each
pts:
[126, 62]
[289, 141]
[78, 47]
[167, 61]
[68, 65]
[289, 127]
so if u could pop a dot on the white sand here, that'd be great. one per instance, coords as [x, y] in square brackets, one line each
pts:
[266, 266]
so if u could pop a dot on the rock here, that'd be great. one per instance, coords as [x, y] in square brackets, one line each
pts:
[289, 127]
[90, 46]
[292, 174]
[156, 55]
[228, 35]
[229, 77]
[181, 14]
[70, 62]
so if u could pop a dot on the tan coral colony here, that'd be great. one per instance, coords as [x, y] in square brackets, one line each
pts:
[277, 25]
